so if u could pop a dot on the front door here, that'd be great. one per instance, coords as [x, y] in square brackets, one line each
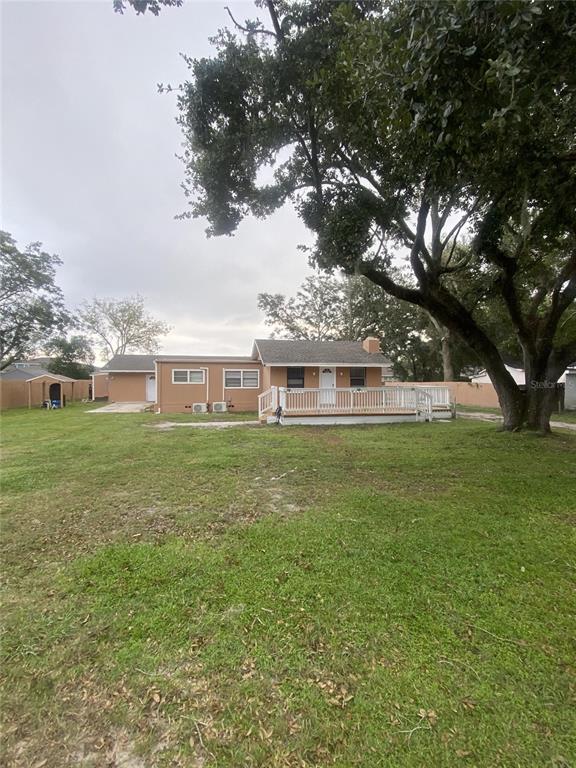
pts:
[327, 387]
[151, 388]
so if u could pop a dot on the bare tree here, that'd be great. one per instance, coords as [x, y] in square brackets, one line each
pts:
[120, 326]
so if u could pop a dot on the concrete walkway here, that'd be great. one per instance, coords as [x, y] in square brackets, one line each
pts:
[164, 425]
[136, 407]
[495, 417]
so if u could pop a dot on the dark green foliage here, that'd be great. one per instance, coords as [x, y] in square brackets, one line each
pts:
[31, 304]
[71, 357]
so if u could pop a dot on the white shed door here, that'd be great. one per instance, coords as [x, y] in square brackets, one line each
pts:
[151, 388]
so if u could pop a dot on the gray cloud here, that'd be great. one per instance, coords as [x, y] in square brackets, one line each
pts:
[89, 168]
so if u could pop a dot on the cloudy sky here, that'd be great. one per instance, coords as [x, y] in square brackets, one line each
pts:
[88, 167]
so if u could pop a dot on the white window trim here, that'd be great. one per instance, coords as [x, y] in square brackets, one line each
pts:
[242, 371]
[190, 383]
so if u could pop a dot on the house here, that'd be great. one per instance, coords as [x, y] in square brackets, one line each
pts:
[305, 379]
[33, 362]
[570, 388]
[516, 370]
[31, 385]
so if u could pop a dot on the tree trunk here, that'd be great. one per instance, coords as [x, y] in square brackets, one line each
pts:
[512, 403]
[545, 369]
[445, 345]
[447, 363]
[541, 398]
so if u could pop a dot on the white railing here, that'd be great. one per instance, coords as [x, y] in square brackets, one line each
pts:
[368, 400]
[440, 395]
[268, 401]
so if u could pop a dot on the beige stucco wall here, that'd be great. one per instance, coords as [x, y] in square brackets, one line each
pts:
[100, 388]
[483, 395]
[178, 398]
[127, 387]
[278, 377]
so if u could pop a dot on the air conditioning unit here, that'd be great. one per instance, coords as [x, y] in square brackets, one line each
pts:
[220, 407]
[199, 408]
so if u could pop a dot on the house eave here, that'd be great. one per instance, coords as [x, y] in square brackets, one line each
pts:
[355, 364]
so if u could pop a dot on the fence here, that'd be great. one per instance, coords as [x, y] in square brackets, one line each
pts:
[20, 393]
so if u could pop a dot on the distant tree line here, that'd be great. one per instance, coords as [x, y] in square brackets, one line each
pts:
[334, 307]
[34, 318]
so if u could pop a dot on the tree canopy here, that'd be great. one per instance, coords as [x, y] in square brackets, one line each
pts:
[31, 304]
[394, 128]
[71, 356]
[335, 307]
[120, 326]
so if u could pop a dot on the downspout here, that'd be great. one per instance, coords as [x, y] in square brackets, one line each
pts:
[158, 385]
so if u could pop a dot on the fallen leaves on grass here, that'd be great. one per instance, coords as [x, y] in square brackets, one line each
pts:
[337, 694]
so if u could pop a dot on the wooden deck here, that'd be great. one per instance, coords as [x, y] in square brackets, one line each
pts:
[355, 405]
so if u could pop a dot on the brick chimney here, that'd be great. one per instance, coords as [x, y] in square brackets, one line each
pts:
[371, 345]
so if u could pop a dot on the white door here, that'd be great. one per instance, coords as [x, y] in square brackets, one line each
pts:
[151, 389]
[328, 386]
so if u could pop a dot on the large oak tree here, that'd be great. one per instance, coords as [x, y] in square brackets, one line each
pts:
[394, 129]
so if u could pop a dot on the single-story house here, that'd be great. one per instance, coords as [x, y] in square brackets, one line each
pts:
[305, 379]
[570, 389]
[31, 385]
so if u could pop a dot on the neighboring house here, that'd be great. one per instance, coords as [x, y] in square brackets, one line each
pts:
[570, 388]
[518, 374]
[33, 362]
[516, 370]
[304, 378]
[31, 385]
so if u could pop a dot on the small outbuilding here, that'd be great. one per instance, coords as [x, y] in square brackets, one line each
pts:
[33, 386]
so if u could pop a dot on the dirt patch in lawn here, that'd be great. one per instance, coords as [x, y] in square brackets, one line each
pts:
[164, 426]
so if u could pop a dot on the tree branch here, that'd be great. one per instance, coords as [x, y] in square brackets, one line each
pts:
[247, 30]
[274, 17]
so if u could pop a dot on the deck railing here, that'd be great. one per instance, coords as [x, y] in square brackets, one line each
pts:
[440, 395]
[268, 401]
[367, 400]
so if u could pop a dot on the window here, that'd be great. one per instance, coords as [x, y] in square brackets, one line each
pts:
[357, 377]
[188, 376]
[250, 379]
[295, 379]
[242, 379]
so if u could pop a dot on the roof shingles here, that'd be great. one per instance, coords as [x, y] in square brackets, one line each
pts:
[134, 363]
[295, 352]
[269, 351]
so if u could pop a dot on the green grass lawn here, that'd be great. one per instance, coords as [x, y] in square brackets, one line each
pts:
[568, 417]
[398, 595]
